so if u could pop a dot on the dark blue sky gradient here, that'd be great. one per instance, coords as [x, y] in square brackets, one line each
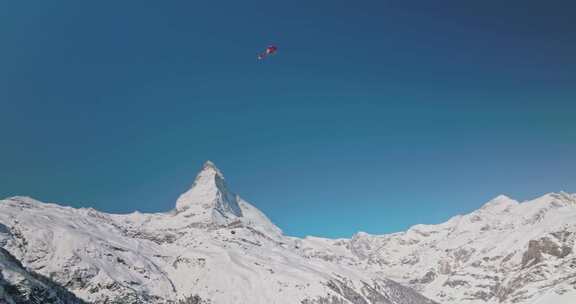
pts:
[373, 116]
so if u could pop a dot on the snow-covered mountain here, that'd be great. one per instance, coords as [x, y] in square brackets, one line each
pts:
[214, 247]
[505, 252]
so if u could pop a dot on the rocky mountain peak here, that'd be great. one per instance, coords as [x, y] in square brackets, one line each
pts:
[210, 167]
[209, 198]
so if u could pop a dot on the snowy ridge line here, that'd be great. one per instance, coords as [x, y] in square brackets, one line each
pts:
[215, 247]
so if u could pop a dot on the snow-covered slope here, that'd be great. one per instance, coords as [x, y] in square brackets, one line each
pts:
[505, 252]
[20, 286]
[214, 247]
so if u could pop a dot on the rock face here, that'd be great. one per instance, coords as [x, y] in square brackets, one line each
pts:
[214, 247]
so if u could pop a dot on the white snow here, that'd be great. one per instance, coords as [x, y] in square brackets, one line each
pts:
[222, 248]
[209, 200]
[474, 257]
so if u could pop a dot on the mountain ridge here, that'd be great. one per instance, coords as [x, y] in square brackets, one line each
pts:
[216, 247]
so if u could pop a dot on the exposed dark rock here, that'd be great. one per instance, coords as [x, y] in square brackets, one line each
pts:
[536, 249]
[33, 288]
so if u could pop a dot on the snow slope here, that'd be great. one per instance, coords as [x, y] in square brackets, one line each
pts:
[505, 252]
[214, 247]
[20, 286]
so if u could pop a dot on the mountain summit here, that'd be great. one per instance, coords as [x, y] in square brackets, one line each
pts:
[499, 203]
[209, 199]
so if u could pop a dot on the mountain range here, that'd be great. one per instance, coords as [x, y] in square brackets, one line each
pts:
[215, 247]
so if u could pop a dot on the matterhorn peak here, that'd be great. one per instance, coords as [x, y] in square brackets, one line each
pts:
[211, 167]
[209, 199]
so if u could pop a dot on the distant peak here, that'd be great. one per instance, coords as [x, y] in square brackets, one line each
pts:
[210, 176]
[209, 195]
[210, 166]
[562, 198]
[499, 203]
[502, 198]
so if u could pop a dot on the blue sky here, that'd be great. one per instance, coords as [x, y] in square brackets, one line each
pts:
[373, 116]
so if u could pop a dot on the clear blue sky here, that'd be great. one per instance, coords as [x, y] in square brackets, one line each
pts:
[373, 116]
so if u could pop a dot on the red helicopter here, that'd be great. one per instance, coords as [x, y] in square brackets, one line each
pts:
[270, 50]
